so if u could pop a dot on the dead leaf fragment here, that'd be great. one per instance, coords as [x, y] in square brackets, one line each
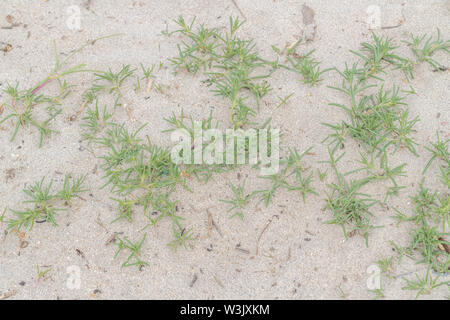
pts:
[10, 19]
[7, 48]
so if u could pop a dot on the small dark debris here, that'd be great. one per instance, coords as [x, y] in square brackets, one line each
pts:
[80, 253]
[10, 174]
[194, 279]
[22, 283]
[440, 69]
[6, 47]
[351, 233]
[238, 247]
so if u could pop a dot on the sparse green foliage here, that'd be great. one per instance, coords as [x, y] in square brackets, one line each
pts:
[384, 172]
[401, 251]
[385, 264]
[283, 101]
[239, 201]
[380, 53]
[94, 122]
[443, 211]
[423, 201]
[438, 150]
[350, 208]
[293, 166]
[46, 204]
[182, 236]
[322, 175]
[71, 188]
[2, 217]
[424, 285]
[428, 241]
[308, 67]
[134, 252]
[378, 121]
[234, 66]
[41, 274]
[112, 81]
[430, 211]
[203, 172]
[28, 106]
[142, 175]
[424, 51]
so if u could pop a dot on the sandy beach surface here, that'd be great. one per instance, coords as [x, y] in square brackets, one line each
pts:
[284, 251]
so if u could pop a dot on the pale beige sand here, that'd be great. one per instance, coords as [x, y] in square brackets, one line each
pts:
[299, 257]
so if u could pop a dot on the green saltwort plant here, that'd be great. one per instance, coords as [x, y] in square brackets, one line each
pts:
[292, 166]
[94, 122]
[147, 76]
[386, 264]
[181, 238]
[239, 201]
[109, 82]
[26, 106]
[377, 120]
[141, 174]
[308, 67]
[46, 203]
[234, 66]
[381, 173]
[236, 142]
[430, 211]
[229, 60]
[442, 210]
[438, 150]
[203, 172]
[41, 274]
[350, 207]
[425, 49]
[425, 285]
[401, 251]
[134, 252]
[112, 81]
[429, 242]
[377, 55]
